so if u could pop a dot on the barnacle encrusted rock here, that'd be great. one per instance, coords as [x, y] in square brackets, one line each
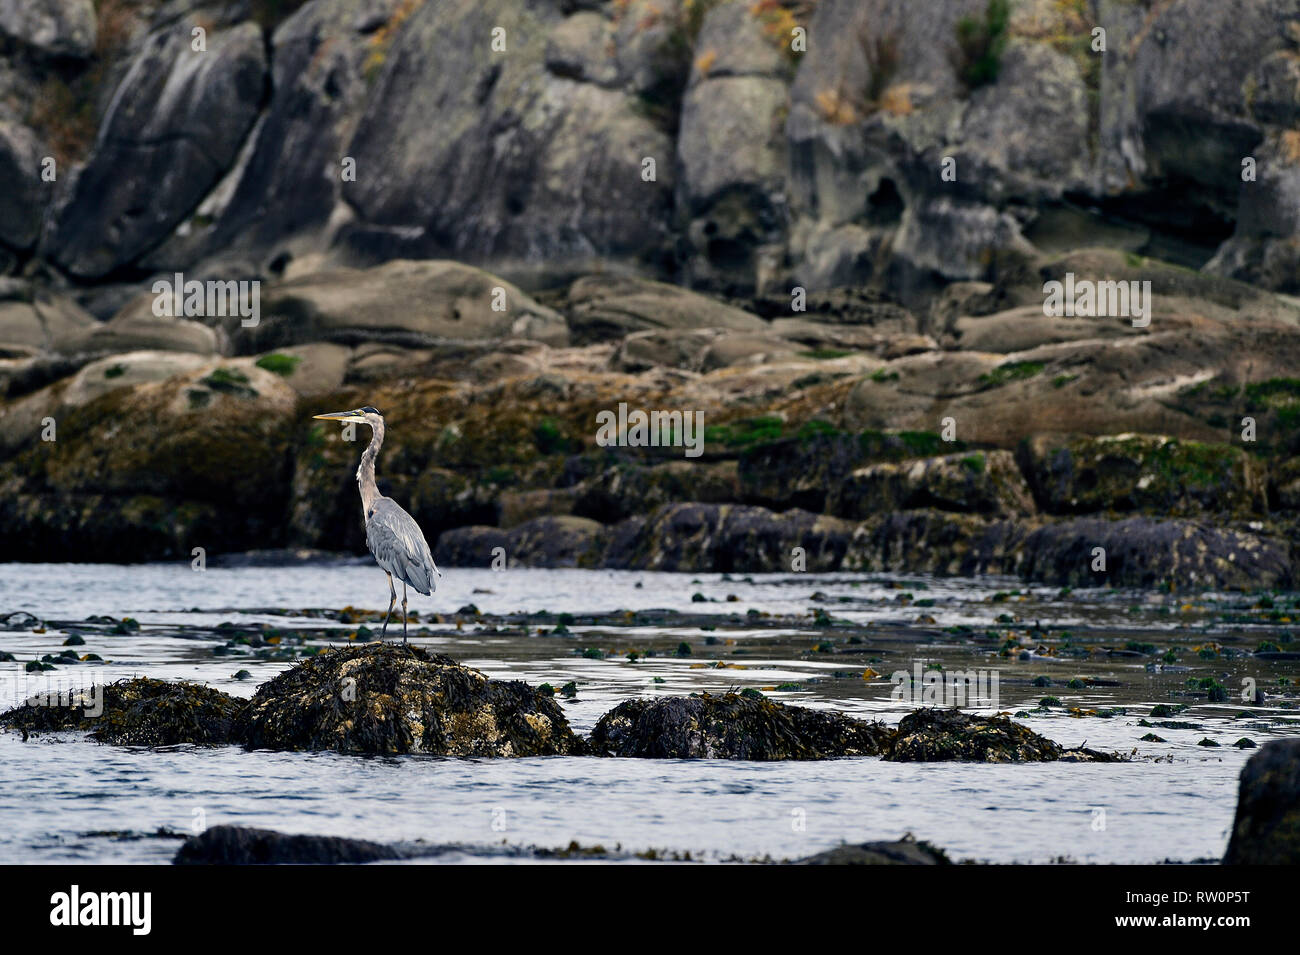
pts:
[388, 698]
[731, 726]
[138, 712]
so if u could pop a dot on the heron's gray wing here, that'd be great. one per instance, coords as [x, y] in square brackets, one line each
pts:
[399, 545]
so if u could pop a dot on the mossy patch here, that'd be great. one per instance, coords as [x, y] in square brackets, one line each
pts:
[745, 432]
[230, 381]
[1011, 371]
[825, 354]
[279, 363]
[981, 42]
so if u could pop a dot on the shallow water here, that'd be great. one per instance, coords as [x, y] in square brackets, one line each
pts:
[68, 799]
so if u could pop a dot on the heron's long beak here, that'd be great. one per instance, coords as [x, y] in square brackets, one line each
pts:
[341, 416]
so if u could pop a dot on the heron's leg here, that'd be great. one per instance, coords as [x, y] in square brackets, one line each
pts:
[403, 611]
[392, 599]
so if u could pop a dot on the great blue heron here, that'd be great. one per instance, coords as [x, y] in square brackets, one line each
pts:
[391, 534]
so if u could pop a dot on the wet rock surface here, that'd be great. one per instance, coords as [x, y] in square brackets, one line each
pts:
[240, 845]
[1266, 828]
[139, 712]
[932, 735]
[390, 698]
[400, 699]
[905, 851]
[731, 726]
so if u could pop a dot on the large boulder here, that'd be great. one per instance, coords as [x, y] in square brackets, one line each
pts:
[1155, 474]
[1266, 828]
[154, 470]
[553, 540]
[137, 712]
[731, 726]
[931, 735]
[46, 324]
[1145, 552]
[485, 155]
[282, 198]
[388, 699]
[937, 542]
[136, 327]
[606, 306]
[731, 537]
[979, 482]
[813, 470]
[173, 128]
[625, 489]
[126, 371]
[402, 302]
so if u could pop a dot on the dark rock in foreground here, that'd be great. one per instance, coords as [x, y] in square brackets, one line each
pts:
[1266, 830]
[933, 735]
[139, 712]
[240, 845]
[731, 726]
[905, 851]
[391, 698]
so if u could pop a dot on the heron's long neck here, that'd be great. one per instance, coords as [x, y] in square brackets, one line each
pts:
[366, 471]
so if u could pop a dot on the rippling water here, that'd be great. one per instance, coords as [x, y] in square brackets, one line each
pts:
[67, 799]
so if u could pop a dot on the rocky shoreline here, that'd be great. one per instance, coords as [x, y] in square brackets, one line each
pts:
[399, 699]
[865, 342]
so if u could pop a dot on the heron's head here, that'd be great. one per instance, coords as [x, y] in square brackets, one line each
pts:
[366, 415]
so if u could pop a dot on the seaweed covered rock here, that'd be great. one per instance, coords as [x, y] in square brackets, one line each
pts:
[391, 698]
[731, 726]
[932, 735]
[1155, 474]
[1266, 829]
[729, 538]
[139, 712]
[242, 845]
[981, 482]
[905, 851]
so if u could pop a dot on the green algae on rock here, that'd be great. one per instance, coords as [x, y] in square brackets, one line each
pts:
[731, 726]
[138, 712]
[387, 698]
